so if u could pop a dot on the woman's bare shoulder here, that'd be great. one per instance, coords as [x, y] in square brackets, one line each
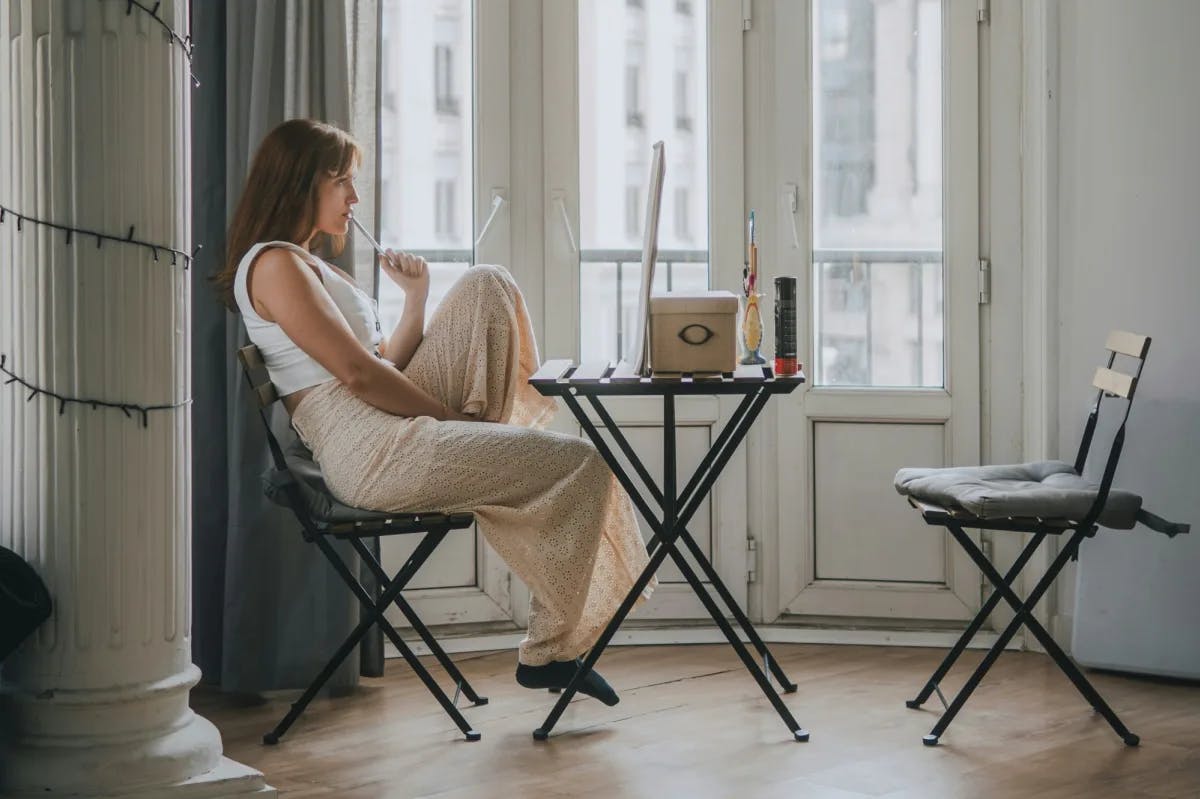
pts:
[274, 271]
[282, 259]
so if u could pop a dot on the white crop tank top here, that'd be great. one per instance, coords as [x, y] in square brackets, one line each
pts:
[291, 368]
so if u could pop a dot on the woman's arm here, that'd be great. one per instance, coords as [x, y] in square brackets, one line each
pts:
[409, 332]
[293, 297]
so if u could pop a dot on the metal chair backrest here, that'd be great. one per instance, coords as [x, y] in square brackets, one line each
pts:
[1111, 383]
[265, 393]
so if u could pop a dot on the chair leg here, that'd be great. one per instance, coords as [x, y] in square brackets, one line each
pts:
[419, 627]
[375, 612]
[1064, 662]
[298, 707]
[961, 644]
[1024, 612]
[375, 615]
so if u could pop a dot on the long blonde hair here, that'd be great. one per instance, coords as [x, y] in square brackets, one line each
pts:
[279, 200]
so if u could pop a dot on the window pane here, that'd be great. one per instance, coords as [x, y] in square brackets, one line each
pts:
[643, 76]
[425, 193]
[426, 181]
[877, 161]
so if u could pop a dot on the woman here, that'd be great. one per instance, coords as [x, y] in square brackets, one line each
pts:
[442, 420]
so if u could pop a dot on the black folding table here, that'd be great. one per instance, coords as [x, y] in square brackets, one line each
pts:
[756, 385]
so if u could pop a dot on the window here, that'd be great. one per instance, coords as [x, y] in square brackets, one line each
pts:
[426, 173]
[683, 119]
[633, 213]
[629, 96]
[633, 107]
[877, 185]
[389, 91]
[443, 203]
[682, 214]
[443, 80]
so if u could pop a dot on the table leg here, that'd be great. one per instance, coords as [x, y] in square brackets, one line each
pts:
[668, 532]
[714, 461]
[593, 655]
[701, 482]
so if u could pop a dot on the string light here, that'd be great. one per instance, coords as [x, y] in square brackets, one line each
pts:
[128, 408]
[184, 42]
[100, 238]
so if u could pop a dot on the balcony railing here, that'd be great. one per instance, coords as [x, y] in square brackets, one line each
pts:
[666, 260]
[899, 343]
[623, 261]
[851, 341]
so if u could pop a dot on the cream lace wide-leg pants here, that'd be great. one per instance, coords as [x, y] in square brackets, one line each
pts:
[546, 502]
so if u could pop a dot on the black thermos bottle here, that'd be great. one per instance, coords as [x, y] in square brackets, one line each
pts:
[785, 326]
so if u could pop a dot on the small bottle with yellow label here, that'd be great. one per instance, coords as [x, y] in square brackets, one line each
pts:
[751, 329]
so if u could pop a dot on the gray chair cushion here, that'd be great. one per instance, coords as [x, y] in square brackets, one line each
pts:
[1046, 490]
[322, 505]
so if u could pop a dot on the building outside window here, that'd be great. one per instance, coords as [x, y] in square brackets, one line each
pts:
[683, 117]
[443, 77]
[633, 213]
[682, 213]
[443, 200]
[633, 99]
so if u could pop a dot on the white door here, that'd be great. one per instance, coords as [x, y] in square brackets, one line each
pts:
[884, 96]
[619, 75]
[443, 104]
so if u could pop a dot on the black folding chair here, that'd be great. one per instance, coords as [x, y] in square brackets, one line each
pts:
[296, 482]
[1045, 498]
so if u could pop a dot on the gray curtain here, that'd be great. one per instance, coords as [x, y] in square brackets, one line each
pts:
[269, 609]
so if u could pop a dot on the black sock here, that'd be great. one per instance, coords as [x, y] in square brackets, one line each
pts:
[559, 673]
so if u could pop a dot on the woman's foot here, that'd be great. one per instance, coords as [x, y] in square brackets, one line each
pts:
[559, 673]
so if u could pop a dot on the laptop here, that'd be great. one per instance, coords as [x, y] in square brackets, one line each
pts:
[637, 352]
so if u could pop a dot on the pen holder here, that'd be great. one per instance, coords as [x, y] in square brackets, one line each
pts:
[750, 329]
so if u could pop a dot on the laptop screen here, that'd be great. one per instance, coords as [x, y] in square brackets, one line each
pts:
[638, 348]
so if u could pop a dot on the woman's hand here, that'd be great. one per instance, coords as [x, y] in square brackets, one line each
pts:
[409, 272]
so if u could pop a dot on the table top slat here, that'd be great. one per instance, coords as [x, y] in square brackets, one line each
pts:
[552, 371]
[600, 378]
[624, 374]
[749, 372]
[591, 372]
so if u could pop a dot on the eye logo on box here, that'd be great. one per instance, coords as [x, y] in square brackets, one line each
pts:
[696, 334]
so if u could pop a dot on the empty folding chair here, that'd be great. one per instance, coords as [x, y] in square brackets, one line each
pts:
[1044, 498]
[296, 483]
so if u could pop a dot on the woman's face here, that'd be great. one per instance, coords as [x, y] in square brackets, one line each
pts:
[336, 197]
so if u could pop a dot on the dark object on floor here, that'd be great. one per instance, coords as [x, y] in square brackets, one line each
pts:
[24, 601]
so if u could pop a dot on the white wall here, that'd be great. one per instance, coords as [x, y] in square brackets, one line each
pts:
[1129, 257]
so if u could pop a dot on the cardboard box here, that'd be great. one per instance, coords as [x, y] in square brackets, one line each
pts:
[693, 332]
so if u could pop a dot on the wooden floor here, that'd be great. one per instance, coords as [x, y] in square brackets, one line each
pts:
[692, 723]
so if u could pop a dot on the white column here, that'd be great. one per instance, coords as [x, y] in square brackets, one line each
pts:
[94, 133]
